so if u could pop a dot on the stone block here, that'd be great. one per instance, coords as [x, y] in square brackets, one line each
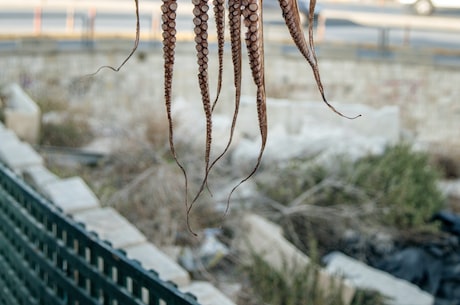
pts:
[111, 226]
[38, 177]
[71, 195]
[18, 155]
[398, 291]
[450, 188]
[152, 258]
[207, 294]
[7, 135]
[22, 115]
[265, 239]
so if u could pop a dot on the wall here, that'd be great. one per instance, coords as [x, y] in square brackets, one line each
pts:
[428, 95]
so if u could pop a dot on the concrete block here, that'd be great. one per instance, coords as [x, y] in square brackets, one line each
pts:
[152, 258]
[450, 188]
[399, 292]
[7, 135]
[207, 294]
[111, 226]
[265, 239]
[22, 115]
[18, 155]
[38, 177]
[71, 195]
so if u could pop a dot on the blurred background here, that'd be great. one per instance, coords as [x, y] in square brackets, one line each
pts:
[383, 188]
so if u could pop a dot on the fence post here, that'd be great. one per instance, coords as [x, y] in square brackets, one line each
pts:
[90, 27]
[37, 20]
[70, 20]
[321, 28]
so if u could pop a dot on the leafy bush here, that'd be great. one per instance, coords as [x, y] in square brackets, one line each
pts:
[400, 184]
[295, 177]
[403, 182]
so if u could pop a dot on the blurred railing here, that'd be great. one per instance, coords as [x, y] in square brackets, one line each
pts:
[46, 258]
[387, 22]
[83, 20]
[86, 12]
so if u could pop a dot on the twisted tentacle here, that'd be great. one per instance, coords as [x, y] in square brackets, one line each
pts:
[234, 16]
[168, 9]
[252, 12]
[200, 11]
[291, 16]
[219, 13]
[255, 45]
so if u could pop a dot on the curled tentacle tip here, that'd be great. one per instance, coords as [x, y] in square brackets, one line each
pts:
[189, 228]
[352, 117]
[193, 233]
[345, 116]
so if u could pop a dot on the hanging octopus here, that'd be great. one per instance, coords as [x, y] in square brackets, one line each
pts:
[247, 13]
[241, 13]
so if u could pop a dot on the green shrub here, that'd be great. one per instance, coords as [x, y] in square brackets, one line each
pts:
[400, 184]
[295, 177]
[404, 183]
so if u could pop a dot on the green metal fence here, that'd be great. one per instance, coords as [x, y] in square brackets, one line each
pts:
[47, 258]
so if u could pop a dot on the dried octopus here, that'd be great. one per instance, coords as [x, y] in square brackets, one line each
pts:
[241, 13]
[247, 13]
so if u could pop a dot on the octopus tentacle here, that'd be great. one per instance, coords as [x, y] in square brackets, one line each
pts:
[234, 16]
[252, 13]
[134, 49]
[291, 16]
[255, 45]
[219, 13]
[168, 9]
[200, 20]
[254, 42]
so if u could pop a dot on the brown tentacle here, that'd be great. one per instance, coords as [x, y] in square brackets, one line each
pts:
[234, 13]
[252, 13]
[255, 45]
[168, 9]
[136, 45]
[201, 39]
[219, 13]
[291, 16]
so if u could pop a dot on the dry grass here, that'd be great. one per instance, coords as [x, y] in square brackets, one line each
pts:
[70, 132]
[155, 202]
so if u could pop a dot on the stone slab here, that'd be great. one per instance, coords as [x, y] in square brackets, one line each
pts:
[18, 155]
[7, 135]
[399, 292]
[207, 294]
[450, 188]
[111, 226]
[21, 114]
[38, 177]
[71, 195]
[265, 239]
[152, 258]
